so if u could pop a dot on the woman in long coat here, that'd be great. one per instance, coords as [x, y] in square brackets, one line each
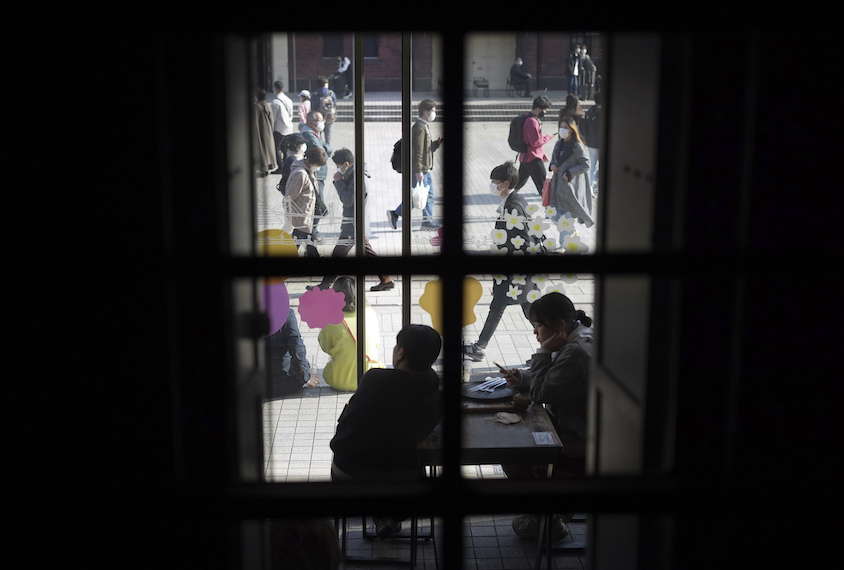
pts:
[264, 129]
[570, 184]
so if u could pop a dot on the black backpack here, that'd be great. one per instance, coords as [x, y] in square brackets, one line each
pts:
[395, 160]
[516, 138]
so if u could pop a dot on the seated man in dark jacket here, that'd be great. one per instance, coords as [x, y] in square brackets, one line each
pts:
[390, 413]
[288, 368]
[519, 79]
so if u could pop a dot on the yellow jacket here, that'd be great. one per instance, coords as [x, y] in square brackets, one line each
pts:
[338, 341]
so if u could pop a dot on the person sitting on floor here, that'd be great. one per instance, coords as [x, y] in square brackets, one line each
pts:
[391, 412]
[339, 342]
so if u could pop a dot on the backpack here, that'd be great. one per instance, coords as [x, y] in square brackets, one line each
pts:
[395, 160]
[516, 138]
[327, 108]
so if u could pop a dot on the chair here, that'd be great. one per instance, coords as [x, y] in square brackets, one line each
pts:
[510, 90]
[479, 83]
[341, 523]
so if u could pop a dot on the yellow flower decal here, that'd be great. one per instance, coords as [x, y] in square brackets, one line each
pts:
[431, 301]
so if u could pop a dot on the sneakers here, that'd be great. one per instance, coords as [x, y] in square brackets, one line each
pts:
[383, 286]
[426, 225]
[473, 351]
[527, 527]
[393, 217]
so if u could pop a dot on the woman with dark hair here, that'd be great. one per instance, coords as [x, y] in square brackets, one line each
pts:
[391, 412]
[301, 188]
[339, 342]
[559, 378]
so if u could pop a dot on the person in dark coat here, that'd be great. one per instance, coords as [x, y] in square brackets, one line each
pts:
[288, 369]
[519, 79]
[390, 413]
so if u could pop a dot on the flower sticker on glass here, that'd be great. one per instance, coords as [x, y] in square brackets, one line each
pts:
[495, 250]
[550, 211]
[512, 220]
[537, 227]
[569, 277]
[541, 279]
[514, 292]
[554, 288]
[550, 242]
[437, 241]
[566, 224]
[520, 279]
[499, 237]
[533, 295]
[319, 308]
[518, 242]
[534, 247]
[573, 244]
[499, 278]
[533, 210]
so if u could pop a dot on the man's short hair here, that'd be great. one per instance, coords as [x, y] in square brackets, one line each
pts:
[426, 105]
[541, 102]
[505, 173]
[343, 155]
[312, 114]
[278, 86]
[421, 345]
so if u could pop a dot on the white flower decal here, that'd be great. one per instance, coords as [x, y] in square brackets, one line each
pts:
[550, 211]
[550, 243]
[495, 250]
[540, 279]
[569, 277]
[555, 289]
[534, 248]
[566, 224]
[514, 292]
[499, 237]
[517, 241]
[537, 227]
[533, 295]
[513, 220]
[573, 244]
[520, 279]
[499, 278]
[533, 209]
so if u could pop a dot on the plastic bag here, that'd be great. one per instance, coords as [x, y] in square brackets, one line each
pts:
[419, 196]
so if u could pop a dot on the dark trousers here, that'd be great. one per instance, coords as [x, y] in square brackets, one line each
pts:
[347, 233]
[535, 169]
[496, 311]
[310, 248]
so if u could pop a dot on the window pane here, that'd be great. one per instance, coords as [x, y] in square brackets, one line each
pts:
[497, 91]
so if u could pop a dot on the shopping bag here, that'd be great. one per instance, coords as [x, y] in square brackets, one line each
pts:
[546, 192]
[419, 196]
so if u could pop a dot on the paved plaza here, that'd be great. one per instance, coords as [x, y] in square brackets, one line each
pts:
[297, 430]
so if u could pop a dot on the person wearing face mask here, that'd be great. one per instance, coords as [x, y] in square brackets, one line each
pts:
[571, 189]
[301, 188]
[423, 147]
[315, 138]
[519, 79]
[573, 69]
[512, 235]
[344, 183]
[532, 162]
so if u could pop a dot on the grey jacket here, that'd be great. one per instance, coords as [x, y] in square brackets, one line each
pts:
[574, 196]
[560, 380]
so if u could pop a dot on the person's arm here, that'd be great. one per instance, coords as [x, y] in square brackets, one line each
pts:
[346, 190]
[418, 144]
[552, 166]
[295, 184]
[533, 136]
[552, 382]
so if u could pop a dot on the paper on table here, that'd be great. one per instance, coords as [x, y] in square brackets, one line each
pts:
[544, 438]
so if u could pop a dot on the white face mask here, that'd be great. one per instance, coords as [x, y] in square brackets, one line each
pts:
[431, 116]
[564, 133]
[493, 189]
[320, 126]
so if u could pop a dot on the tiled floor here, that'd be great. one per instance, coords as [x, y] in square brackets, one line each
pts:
[297, 429]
